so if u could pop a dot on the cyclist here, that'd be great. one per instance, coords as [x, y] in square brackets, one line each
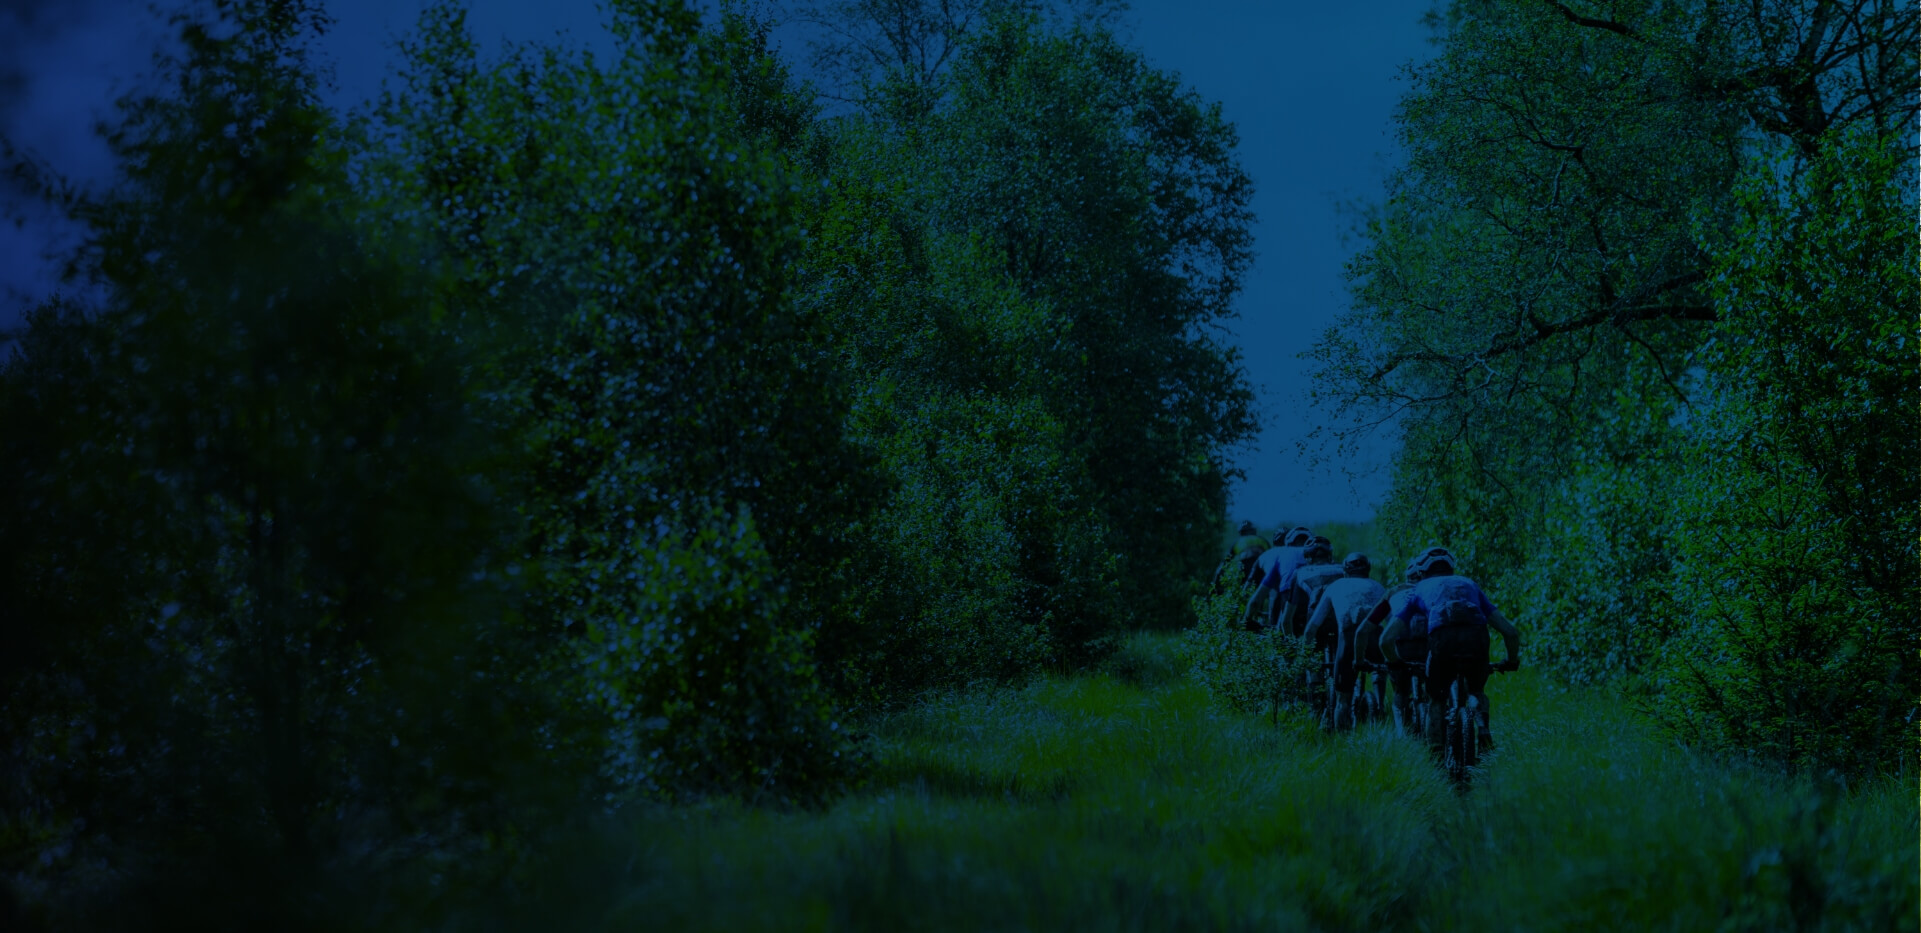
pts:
[1298, 595]
[1299, 587]
[1411, 644]
[1344, 606]
[1247, 549]
[1458, 615]
[1278, 562]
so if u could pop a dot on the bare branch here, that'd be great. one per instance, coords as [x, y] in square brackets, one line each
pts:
[1607, 24]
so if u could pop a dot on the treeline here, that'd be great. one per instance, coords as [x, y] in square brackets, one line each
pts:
[1638, 309]
[560, 432]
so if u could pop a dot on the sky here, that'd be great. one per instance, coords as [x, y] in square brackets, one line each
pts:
[1310, 85]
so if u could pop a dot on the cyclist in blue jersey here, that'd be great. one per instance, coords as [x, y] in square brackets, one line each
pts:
[1274, 564]
[1458, 616]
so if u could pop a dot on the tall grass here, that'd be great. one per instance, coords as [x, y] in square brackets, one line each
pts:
[1131, 801]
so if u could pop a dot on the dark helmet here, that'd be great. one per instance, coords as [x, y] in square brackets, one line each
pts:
[1318, 547]
[1357, 565]
[1298, 536]
[1247, 528]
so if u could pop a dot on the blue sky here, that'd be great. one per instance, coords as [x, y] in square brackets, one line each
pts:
[1311, 86]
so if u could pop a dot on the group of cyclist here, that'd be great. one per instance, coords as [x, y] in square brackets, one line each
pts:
[1434, 625]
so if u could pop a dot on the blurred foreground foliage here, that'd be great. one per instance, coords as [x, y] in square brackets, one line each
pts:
[562, 435]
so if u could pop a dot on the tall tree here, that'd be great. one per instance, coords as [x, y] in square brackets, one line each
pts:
[693, 500]
[251, 546]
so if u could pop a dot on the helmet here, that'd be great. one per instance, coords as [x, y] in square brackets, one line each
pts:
[1319, 547]
[1356, 565]
[1298, 536]
[1247, 528]
[1433, 560]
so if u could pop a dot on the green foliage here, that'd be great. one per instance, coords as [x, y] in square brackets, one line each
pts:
[679, 408]
[1598, 352]
[1588, 814]
[1800, 517]
[1008, 344]
[1247, 672]
[255, 601]
[988, 510]
[1084, 802]
[1110, 197]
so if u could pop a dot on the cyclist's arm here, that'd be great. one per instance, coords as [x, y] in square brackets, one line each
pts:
[1253, 604]
[1509, 634]
[1368, 632]
[1323, 611]
[1289, 608]
[1390, 638]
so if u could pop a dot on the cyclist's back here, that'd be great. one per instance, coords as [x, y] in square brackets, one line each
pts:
[1302, 586]
[1248, 549]
[1344, 606]
[1457, 616]
[1412, 644]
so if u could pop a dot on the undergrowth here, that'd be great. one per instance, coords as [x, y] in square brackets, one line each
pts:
[1093, 803]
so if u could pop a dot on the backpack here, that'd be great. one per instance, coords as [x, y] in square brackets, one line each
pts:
[1456, 605]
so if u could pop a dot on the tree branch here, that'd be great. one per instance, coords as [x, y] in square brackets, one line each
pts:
[1542, 331]
[1607, 24]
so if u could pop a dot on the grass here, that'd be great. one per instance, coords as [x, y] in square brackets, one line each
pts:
[1128, 800]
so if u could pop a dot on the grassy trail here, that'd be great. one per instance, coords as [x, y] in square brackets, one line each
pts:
[1097, 802]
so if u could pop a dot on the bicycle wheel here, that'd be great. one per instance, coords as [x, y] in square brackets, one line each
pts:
[1470, 733]
[1454, 756]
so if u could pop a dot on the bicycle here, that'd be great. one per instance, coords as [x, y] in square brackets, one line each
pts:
[1416, 724]
[1365, 703]
[1461, 750]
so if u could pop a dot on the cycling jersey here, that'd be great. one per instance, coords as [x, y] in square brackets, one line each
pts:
[1309, 580]
[1279, 563]
[1396, 598]
[1431, 599]
[1351, 599]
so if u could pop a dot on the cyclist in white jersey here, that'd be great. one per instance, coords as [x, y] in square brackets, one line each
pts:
[1344, 606]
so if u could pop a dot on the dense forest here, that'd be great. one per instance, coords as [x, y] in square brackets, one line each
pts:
[615, 490]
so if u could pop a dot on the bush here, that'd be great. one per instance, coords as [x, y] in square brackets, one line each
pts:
[1244, 671]
[1798, 523]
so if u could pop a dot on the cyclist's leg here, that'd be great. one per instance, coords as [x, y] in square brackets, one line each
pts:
[1440, 680]
[1317, 687]
[1476, 676]
[1403, 685]
[1344, 678]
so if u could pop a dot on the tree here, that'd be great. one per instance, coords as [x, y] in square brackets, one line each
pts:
[692, 502]
[1799, 524]
[253, 568]
[1532, 296]
[1112, 197]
